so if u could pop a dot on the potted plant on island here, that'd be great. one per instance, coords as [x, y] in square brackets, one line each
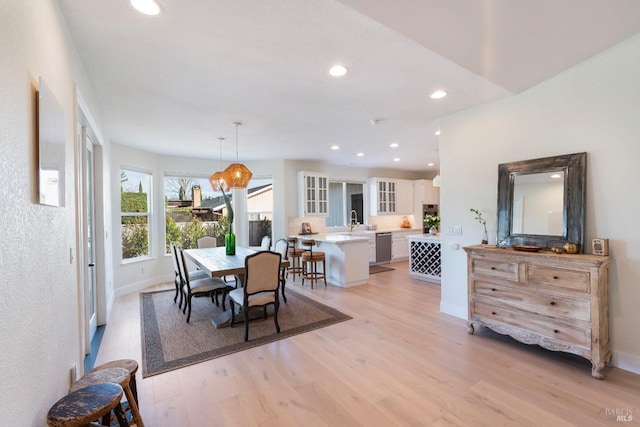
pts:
[432, 222]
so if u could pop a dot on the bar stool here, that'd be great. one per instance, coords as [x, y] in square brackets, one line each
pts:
[295, 255]
[310, 261]
[112, 375]
[84, 405]
[128, 364]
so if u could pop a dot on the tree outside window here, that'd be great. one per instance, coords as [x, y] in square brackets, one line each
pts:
[135, 214]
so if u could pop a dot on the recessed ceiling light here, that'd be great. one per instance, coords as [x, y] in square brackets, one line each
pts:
[394, 145]
[431, 164]
[338, 70]
[397, 159]
[335, 147]
[438, 94]
[148, 7]
[437, 133]
[360, 154]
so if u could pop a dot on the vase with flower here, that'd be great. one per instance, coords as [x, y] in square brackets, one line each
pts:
[432, 222]
[483, 223]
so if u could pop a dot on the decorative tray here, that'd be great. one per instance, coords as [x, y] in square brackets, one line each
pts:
[525, 248]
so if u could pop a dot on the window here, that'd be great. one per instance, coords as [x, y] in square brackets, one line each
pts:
[344, 198]
[192, 210]
[135, 213]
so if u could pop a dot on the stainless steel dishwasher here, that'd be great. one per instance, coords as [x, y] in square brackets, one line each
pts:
[383, 248]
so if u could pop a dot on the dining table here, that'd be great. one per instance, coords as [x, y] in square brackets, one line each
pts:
[217, 263]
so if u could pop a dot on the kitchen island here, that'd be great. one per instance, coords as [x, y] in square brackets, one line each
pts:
[347, 257]
[424, 257]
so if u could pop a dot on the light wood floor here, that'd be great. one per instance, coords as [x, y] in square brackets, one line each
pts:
[398, 362]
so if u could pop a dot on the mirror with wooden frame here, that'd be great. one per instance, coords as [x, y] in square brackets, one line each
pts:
[541, 202]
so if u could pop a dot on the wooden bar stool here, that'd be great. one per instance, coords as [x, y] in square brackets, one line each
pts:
[84, 405]
[112, 375]
[310, 261]
[128, 364]
[295, 255]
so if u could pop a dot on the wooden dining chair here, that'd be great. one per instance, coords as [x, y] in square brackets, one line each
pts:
[194, 275]
[281, 246]
[209, 286]
[207, 242]
[261, 283]
[265, 245]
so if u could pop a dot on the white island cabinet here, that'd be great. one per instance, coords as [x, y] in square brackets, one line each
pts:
[347, 258]
[424, 257]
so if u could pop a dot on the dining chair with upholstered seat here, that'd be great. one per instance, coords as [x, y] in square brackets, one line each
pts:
[265, 245]
[261, 283]
[193, 275]
[207, 242]
[281, 246]
[209, 286]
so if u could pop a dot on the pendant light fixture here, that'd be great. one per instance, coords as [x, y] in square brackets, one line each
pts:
[236, 174]
[217, 180]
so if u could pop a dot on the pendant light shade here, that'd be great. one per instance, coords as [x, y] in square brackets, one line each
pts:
[237, 175]
[217, 181]
[436, 181]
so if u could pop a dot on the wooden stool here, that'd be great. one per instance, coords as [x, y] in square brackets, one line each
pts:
[295, 255]
[128, 364]
[80, 407]
[310, 261]
[112, 375]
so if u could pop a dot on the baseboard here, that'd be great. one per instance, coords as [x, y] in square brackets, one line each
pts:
[628, 362]
[138, 286]
[461, 312]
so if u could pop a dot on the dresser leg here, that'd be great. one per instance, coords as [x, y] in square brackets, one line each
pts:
[596, 370]
[470, 328]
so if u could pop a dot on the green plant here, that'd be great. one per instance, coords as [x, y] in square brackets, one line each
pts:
[264, 228]
[193, 231]
[173, 232]
[227, 202]
[432, 220]
[482, 222]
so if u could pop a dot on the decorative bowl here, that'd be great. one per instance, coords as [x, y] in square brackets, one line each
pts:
[525, 248]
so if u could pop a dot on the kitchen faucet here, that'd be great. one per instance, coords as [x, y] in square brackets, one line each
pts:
[353, 219]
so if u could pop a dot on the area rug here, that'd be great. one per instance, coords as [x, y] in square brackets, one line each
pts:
[169, 342]
[373, 269]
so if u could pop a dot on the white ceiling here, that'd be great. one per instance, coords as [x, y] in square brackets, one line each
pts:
[173, 83]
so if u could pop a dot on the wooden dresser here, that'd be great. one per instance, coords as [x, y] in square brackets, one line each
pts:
[559, 302]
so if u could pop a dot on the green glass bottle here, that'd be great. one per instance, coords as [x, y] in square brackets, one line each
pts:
[230, 243]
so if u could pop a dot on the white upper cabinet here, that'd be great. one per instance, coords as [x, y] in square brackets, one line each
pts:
[424, 193]
[382, 196]
[404, 197]
[313, 194]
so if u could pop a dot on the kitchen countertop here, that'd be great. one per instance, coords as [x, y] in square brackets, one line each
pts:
[429, 237]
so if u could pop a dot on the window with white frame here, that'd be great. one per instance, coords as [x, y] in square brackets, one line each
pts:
[135, 213]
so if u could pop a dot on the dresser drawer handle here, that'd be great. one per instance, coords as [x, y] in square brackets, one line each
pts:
[555, 331]
[493, 289]
[555, 277]
[493, 268]
[552, 303]
[493, 312]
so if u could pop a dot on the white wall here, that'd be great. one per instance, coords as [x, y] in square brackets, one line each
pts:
[593, 107]
[39, 303]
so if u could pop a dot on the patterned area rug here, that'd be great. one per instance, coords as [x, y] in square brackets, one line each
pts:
[169, 342]
[373, 269]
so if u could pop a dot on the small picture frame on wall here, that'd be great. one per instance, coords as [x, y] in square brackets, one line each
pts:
[600, 246]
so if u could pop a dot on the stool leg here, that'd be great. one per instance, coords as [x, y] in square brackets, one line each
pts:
[324, 272]
[134, 407]
[120, 416]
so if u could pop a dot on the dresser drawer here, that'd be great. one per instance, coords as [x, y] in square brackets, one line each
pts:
[534, 323]
[553, 306]
[557, 277]
[500, 269]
